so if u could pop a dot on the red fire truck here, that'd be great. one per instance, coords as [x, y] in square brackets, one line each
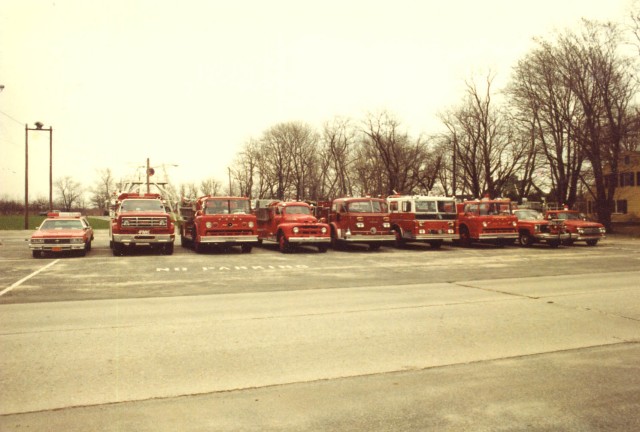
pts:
[419, 218]
[218, 221]
[141, 220]
[358, 220]
[290, 224]
[487, 220]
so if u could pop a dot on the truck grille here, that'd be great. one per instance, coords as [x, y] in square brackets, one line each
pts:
[227, 233]
[309, 230]
[593, 230]
[144, 222]
[57, 241]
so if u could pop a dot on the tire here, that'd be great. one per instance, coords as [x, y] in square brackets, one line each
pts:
[283, 243]
[36, 254]
[568, 242]
[88, 247]
[525, 239]
[246, 248]
[554, 244]
[399, 241]
[436, 244]
[198, 247]
[374, 246]
[118, 249]
[465, 237]
[592, 242]
[167, 249]
[322, 248]
[335, 243]
[183, 241]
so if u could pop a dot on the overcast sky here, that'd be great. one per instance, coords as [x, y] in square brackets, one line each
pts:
[188, 82]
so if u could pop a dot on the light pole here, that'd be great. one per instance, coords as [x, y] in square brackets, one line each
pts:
[39, 127]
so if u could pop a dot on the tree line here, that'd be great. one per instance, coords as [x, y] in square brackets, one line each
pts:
[567, 113]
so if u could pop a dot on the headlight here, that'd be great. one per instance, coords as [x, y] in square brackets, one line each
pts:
[163, 222]
[514, 223]
[386, 224]
[324, 230]
[125, 222]
[208, 225]
[295, 230]
[537, 228]
[37, 241]
[484, 224]
[251, 224]
[580, 231]
[77, 240]
[603, 230]
[359, 225]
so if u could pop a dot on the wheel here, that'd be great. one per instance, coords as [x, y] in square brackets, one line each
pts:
[374, 246]
[554, 244]
[198, 247]
[83, 252]
[36, 254]
[283, 243]
[399, 241]
[436, 244]
[118, 249]
[246, 248]
[167, 249]
[322, 248]
[568, 242]
[183, 241]
[525, 239]
[465, 237]
[88, 247]
[335, 243]
[592, 242]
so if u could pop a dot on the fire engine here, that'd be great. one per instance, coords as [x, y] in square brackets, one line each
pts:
[579, 228]
[487, 220]
[358, 220]
[290, 224]
[419, 218]
[140, 219]
[218, 221]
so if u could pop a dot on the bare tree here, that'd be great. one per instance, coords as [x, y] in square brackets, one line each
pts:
[337, 153]
[210, 186]
[104, 186]
[69, 191]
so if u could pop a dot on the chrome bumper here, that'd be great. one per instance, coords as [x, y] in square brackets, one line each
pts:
[143, 239]
[229, 239]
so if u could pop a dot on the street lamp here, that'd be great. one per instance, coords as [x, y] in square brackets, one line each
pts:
[39, 127]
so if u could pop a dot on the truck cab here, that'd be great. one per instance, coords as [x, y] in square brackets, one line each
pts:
[487, 220]
[141, 220]
[418, 218]
[359, 221]
[290, 224]
[218, 221]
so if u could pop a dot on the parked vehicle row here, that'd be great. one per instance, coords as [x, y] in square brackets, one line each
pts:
[224, 221]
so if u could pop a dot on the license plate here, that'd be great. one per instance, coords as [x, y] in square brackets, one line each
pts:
[56, 249]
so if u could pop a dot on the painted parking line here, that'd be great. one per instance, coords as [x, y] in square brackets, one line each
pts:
[26, 278]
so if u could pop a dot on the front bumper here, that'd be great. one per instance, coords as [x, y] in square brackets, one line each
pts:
[552, 237]
[499, 236]
[430, 237]
[583, 237]
[309, 240]
[58, 247]
[363, 238]
[229, 239]
[143, 239]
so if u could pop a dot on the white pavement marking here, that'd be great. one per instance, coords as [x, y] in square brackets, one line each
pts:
[24, 279]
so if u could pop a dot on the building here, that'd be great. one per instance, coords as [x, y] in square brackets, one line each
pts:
[627, 193]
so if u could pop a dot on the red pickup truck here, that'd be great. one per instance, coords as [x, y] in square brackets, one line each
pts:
[579, 228]
[534, 228]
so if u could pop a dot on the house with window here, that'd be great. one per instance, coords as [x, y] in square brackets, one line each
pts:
[627, 194]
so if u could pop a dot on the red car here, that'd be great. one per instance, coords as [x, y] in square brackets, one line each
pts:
[533, 228]
[578, 226]
[62, 232]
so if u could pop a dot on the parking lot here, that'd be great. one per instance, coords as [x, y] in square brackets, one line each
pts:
[480, 338]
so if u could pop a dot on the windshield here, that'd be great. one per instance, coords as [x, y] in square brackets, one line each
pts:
[528, 215]
[51, 224]
[440, 206]
[489, 208]
[132, 205]
[240, 206]
[568, 216]
[368, 206]
[303, 210]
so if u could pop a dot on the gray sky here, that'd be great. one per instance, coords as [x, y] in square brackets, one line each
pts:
[188, 82]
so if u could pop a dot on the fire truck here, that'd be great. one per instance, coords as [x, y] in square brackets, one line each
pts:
[419, 218]
[533, 228]
[141, 220]
[218, 221]
[487, 220]
[290, 224]
[357, 220]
